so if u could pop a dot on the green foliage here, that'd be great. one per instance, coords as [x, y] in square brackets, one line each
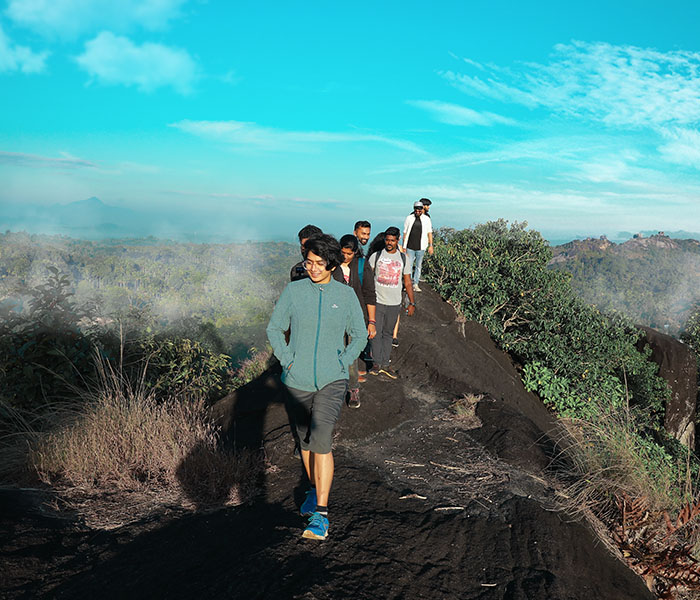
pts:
[43, 350]
[181, 288]
[691, 330]
[497, 274]
[252, 367]
[180, 366]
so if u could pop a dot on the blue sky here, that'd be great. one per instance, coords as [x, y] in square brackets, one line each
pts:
[580, 118]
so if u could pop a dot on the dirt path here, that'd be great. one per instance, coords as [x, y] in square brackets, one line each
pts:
[423, 506]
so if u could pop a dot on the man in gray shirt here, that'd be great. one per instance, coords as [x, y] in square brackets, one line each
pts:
[391, 273]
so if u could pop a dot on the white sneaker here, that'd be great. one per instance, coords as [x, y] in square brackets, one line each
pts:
[416, 288]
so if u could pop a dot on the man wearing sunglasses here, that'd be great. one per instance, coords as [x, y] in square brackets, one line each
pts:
[319, 311]
[417, 238]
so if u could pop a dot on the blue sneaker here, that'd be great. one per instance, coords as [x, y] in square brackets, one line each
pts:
[317, 529]
[308, 507]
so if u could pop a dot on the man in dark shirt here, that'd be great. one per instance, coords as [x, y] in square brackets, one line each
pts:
[417, 238]
[298, 271]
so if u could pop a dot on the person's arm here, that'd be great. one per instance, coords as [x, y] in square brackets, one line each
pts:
[372, 325]
[430, 242]
[406, 230]
[278, 325]
[369, 295]
[355, 328]
[409, 292]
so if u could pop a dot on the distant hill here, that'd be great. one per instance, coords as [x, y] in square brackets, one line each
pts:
[90, 218]
[680, 234]
[654, 279]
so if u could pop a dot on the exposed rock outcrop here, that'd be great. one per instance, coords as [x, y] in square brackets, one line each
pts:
[678, 366]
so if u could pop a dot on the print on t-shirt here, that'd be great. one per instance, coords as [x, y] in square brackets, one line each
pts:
[389, 272]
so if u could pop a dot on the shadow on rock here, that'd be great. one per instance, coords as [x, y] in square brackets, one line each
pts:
[252, 552]
[211, 477]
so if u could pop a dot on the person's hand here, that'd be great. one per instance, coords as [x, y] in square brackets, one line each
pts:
[430, 250]
[410, 310]
[371, 330]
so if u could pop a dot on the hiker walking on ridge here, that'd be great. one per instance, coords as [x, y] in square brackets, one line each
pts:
[320, 312]
[298, 271]
[390, 268]
[417, 238]
[426, 206]
[362, 231]
[363, 285]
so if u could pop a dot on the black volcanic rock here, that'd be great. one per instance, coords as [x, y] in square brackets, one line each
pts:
[423, 505]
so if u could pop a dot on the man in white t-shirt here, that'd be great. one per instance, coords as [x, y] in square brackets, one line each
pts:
[391, 273]
[417, 238]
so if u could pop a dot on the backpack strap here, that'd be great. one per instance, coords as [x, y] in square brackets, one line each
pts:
[361, 268]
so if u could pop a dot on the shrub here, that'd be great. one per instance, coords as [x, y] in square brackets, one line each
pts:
[691, 332]
[121, 438]
[42, 350]
[252, 367]
[496, 274]
[179, 366]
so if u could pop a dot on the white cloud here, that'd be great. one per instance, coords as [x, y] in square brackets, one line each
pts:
[549, 150]
[113, 59]
[623, 86]
[683, 147]
[71, 18]
[453, 114]
[20, 58]
[36, 161]
[253, 136]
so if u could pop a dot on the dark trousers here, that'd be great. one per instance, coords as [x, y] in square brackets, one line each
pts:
[314, 415]
[381, 344]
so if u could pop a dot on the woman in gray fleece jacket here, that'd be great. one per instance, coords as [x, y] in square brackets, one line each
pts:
[319, 311]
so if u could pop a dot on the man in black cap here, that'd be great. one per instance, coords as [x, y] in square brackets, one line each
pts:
[417, 238]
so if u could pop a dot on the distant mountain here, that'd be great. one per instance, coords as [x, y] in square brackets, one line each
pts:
[653, 280]
[635, 247]
[85, 218]
[680, 234]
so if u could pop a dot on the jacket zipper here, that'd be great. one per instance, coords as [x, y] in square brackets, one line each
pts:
[318, 332]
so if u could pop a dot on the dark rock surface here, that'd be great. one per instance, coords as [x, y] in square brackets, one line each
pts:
[678, 366]
[423, 505]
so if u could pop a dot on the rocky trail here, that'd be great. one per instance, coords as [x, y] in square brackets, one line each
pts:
[424, 505]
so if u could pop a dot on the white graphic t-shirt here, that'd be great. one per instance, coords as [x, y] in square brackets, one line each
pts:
[388, 271]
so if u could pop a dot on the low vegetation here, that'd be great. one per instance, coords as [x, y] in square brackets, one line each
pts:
[587, 366]
[91, 406]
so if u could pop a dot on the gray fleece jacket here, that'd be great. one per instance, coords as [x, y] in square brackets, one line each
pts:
[319, 316]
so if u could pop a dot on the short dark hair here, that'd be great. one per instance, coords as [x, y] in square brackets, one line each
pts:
[425, 201]
[326, 247]
[377, 244]
[362, 224]
[393, 231]
[350, 241]
[309, 231]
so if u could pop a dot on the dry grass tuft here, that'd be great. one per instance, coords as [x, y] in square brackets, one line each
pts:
[646, 501]
[118, 438]
[464, 410]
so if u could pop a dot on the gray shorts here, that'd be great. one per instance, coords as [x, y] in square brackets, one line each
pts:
[314, 415]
